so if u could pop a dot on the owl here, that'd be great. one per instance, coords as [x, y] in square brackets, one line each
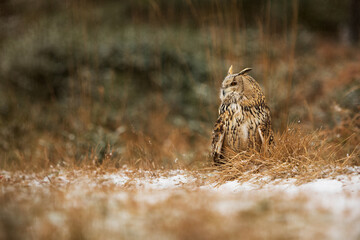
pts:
[244, 118]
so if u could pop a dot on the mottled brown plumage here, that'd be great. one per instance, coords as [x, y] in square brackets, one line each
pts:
[244, 118]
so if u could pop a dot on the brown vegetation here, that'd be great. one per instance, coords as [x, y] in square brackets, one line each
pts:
[89, 88]
[298, 154]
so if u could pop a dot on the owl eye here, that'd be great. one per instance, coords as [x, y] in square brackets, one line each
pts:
[233, 83]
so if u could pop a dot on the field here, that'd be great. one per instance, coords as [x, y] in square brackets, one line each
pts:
[177, 204]
[107, 109]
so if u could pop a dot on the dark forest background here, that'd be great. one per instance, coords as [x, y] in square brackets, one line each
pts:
[136, 82]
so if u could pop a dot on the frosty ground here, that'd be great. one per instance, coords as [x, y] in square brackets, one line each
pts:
[177, 204]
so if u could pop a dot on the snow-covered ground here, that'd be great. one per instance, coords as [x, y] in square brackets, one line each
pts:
[335, 193]
[338, 197]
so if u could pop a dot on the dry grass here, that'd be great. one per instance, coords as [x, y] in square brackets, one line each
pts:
[300, 154]
[107, 119]
[85, 204]
[138, 89]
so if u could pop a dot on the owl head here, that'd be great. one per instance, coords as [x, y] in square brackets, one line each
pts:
[240, 84]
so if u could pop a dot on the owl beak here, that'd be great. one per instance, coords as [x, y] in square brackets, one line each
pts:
[223, 92]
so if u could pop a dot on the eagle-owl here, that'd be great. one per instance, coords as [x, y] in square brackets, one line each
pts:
[244, 118]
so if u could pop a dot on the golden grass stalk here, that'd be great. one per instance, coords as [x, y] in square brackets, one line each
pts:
[297, 154]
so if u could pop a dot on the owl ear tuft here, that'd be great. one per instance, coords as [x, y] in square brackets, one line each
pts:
[246, 70]
[230, 71]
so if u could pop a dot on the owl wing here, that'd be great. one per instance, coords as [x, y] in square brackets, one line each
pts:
[218, 136]
[264, 129]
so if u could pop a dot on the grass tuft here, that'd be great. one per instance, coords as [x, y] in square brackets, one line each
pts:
[300, 154]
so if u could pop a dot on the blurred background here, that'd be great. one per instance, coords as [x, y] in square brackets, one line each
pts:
[136, 82]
